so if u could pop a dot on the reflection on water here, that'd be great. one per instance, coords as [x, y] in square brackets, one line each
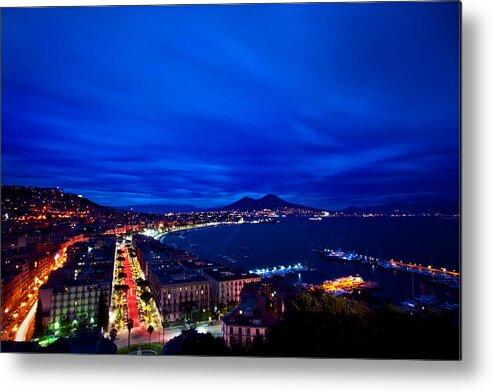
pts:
[422, 240]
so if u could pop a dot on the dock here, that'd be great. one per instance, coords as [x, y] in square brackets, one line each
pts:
[436, 275]
[280, 270]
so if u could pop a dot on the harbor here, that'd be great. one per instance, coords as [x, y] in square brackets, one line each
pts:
[346, 285]
[263, 247]
[439, 276]
[281, 270]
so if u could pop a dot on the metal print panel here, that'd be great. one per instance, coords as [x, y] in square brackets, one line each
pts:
[234, 180]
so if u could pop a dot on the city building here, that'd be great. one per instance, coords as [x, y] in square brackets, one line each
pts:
[148, 249]
[199, 265]
[262, 305]
[178, 291]
[81, 289]
[227, 283]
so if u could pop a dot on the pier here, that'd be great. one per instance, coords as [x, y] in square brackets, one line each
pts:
[436, 275]
[345, 285]
[280, 270]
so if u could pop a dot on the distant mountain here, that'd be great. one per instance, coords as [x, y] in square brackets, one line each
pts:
[270, 202]
[412, 208]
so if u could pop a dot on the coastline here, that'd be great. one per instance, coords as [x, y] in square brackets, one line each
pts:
[259, 246]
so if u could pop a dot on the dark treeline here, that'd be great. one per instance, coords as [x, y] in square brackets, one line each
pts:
[319, 325]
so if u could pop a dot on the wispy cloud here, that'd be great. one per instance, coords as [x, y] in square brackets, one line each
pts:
[199, 105]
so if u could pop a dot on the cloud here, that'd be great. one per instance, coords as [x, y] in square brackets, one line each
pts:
[327, 104]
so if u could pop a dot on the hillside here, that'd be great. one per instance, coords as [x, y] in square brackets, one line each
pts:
[32, 201]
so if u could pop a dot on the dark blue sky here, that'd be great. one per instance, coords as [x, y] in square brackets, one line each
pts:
[327, 105]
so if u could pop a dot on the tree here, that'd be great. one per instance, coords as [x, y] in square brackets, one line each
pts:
[146, 296]
[188, 307]
[317, 324]
[83, 324]
[150, 330]
[191, 342]
[130, 325]
[143, 284]
[66, 326]
[38, 321]
[121, 287]
[103, 312]
[163, 324]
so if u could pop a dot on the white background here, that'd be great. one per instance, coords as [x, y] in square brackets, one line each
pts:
[474, 373]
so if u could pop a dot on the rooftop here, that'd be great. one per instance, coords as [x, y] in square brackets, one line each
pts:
[229, 273]
[200, 264]
[174, 274]
[65, 277]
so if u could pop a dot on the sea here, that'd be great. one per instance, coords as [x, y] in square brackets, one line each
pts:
[427, 241]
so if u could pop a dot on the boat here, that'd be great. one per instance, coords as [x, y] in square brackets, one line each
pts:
[333, 255]
[280, 271]
[340, 255]
[420, 302]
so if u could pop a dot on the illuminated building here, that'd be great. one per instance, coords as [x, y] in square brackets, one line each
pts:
[262, 305]
[227, 283]
[77, 291]
[178, 291]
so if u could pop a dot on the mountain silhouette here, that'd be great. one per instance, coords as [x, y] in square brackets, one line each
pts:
[270, 202]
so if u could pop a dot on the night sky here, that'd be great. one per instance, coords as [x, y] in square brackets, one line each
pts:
[327, 105]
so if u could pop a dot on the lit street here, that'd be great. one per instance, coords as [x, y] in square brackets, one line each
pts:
[23, 330]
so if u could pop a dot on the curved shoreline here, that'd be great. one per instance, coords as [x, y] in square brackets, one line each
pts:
[396, 285]
[161, 236]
